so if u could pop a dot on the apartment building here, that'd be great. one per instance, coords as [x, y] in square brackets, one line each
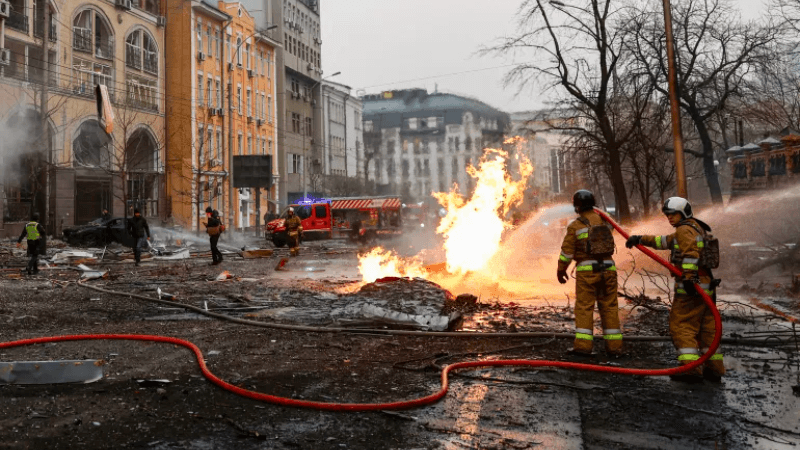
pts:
[221, 104]
[299, 71]
[342, 134]
[418, 142]
[58, 158]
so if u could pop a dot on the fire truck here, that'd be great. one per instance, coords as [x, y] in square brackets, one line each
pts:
[346, 217]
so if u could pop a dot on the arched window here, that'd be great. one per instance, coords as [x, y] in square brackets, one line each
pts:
[91, 34]
[92, 146]
[141, 52]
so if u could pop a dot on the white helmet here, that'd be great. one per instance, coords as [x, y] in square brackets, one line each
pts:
[291, 209]
[677, 205]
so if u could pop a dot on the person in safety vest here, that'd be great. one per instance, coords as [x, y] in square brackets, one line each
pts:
[691, 323]
[140, 231]
[34, 232]
[590, 244]
[294, 228]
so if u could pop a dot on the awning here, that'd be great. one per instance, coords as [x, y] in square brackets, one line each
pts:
[361, 203]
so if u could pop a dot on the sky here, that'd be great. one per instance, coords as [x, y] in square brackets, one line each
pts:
[380, 45]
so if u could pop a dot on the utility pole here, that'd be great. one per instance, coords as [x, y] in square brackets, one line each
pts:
[680, 166]
[43, 112]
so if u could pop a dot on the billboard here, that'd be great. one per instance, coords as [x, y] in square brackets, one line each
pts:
[252, 171]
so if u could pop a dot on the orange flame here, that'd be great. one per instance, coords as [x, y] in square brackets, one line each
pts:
[473, 227]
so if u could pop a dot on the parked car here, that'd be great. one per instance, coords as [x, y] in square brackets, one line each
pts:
[99, 233]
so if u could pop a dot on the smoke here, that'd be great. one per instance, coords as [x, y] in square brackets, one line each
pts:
[525, 265]
[230, 240]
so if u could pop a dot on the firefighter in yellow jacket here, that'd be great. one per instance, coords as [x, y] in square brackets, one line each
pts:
[590, 244]
[691, 323]
[294, 229]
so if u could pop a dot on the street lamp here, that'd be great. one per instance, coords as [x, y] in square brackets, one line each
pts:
[304, 169]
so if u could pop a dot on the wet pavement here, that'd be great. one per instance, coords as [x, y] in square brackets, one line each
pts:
[757, 406]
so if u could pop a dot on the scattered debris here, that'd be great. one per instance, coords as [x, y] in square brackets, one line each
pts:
[153, 382]
[252, 254]
[281, 263]
[169, 256]
[225, 275]
[91, 274]
[51, 372]
[165, 296]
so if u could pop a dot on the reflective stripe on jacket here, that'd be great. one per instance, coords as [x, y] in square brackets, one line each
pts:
[573, 246]
[685, 245]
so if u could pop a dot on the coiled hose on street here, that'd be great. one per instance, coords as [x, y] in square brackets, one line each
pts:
[406, 404]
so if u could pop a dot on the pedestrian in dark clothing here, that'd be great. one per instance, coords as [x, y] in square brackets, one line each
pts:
[34, 232]
[106, 216]
[138, 229]
[214, 229]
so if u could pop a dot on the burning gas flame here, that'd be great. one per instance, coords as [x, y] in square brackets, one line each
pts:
[379, 263]
[472, 227]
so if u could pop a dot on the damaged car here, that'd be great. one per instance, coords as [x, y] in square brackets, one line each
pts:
[99, 233]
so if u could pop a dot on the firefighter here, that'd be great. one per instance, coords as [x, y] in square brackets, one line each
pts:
[691, 322]
[590, 244]
[34, 232]
[294, 229]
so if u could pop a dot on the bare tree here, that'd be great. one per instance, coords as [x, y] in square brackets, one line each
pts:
[578, 48]
[716, 53]
[342, 186]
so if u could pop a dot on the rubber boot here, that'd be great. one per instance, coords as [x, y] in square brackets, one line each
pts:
[713, 371]
[581, 347]
[694, 376]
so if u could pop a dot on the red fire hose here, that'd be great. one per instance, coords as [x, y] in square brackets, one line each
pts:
[405, 404]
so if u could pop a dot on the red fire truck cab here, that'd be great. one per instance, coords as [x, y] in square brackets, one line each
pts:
[341, 217]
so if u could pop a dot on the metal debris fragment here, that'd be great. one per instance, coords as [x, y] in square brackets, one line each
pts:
[51, 372]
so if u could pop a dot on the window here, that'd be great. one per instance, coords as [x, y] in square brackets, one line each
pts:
[218, 103]
[91, 34]
[239, 147]
[296, 123]
[247, 54]
[295, 163]
[218, 153]
[209, 42]
[199, 89]
[249, 144]
[133, 50]
[269, 147]
[209, 91]
[228, 45]
[217, 53]
[200, 136]
[199, 35]
[249, 104]
[239, 98]
[239, 51]
[320, 212]
[263, 106]
[308, 126]
[269, 108]
[210, 140]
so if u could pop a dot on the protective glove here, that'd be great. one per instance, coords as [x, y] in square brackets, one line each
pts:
[562, 276]
[688, 286]
[633, 241]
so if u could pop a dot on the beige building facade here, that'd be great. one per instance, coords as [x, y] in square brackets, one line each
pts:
[57, 158]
